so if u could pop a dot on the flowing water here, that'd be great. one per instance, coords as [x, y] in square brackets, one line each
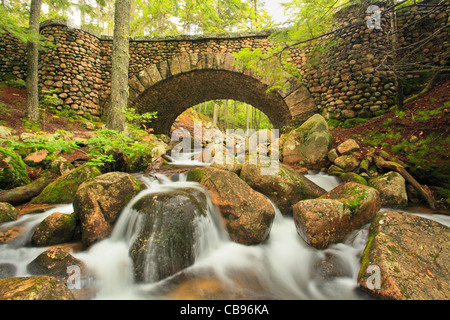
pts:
[283, 267]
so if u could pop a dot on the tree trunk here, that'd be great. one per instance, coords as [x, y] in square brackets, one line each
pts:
[32, 82]
[26, 193]
[247, 125]
[234, 114]
[120, 63]
[215, 114]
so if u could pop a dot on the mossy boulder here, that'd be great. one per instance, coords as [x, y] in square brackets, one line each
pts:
[247, 214]
[331, 217]
[165, 241]
[7, 212]
[99, 201]
[285, 187]
[392, 189]
[13, 171]
[34, 288]
[406, 258]
[63, 189]
[55, 229]
[353, 177]
[308, 145]
[347, 163]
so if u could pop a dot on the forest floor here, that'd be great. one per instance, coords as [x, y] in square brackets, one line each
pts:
[417, 135]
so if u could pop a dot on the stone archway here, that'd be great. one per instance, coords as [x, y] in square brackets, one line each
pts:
[171, 87]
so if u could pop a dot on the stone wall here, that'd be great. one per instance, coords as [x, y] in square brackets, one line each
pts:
[350, 81]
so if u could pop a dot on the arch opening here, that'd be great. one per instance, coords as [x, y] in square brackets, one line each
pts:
[174, 95]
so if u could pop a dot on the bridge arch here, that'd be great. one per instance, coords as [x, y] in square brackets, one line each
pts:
[171, 87]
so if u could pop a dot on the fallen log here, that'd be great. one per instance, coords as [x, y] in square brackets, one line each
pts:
[26, 193]
[425, 193]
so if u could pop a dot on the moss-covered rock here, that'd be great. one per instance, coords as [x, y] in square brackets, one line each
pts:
[7, 212]
[353, 177]
[392, 189]
[13, 171]
[55, 229]
[63, 189]
[285, 187]
[34, 288]
[331, 217]
[98, 203]
[406, 258]
[308, 145]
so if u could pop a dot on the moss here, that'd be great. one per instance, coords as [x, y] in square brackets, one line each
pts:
[195, 175]
[14, 173]
[63, 189]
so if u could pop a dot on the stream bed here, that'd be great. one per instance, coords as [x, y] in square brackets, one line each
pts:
[283, 267]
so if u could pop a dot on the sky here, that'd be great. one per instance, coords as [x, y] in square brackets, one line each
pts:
[274, 9]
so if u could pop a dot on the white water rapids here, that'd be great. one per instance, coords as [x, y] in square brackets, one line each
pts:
[283, 267]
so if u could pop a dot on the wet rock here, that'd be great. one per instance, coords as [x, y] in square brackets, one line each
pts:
[331, 217]
[63, 189]
[34, 288]
[99, 202]
[406, 258]
[328, 266]
[7, 212]
[166, 238]
[248, 215]
[7, 270]
[54, 262]
[285, 187]
[392, 189]
[308, 145]
[55, 229]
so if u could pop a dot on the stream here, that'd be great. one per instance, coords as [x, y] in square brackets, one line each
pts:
[283, 267]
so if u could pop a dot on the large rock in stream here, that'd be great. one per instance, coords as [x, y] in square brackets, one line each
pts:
[406, 258]
[165, 241]
[308, 145]
[331, 217]
[285, 187]
[98, 203]
[248, 215]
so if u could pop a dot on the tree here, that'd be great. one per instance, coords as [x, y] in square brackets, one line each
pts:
[32, 81]
[120, 63]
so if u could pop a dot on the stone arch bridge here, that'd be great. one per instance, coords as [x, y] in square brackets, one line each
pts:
[171, 74]
[167, 75]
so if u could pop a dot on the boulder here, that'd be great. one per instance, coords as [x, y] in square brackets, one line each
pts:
[7, 212]
[285, 187]
[63, 189]
[34, 288]
[54, 262]
[98, 203]
[13, 171]
[353, 177]
[55, 229]
[165, 242]
[347, 163]
[308, 145]
[392, 189]
[406, 258]
[247, 214]
[347, 147]
[331, 217]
